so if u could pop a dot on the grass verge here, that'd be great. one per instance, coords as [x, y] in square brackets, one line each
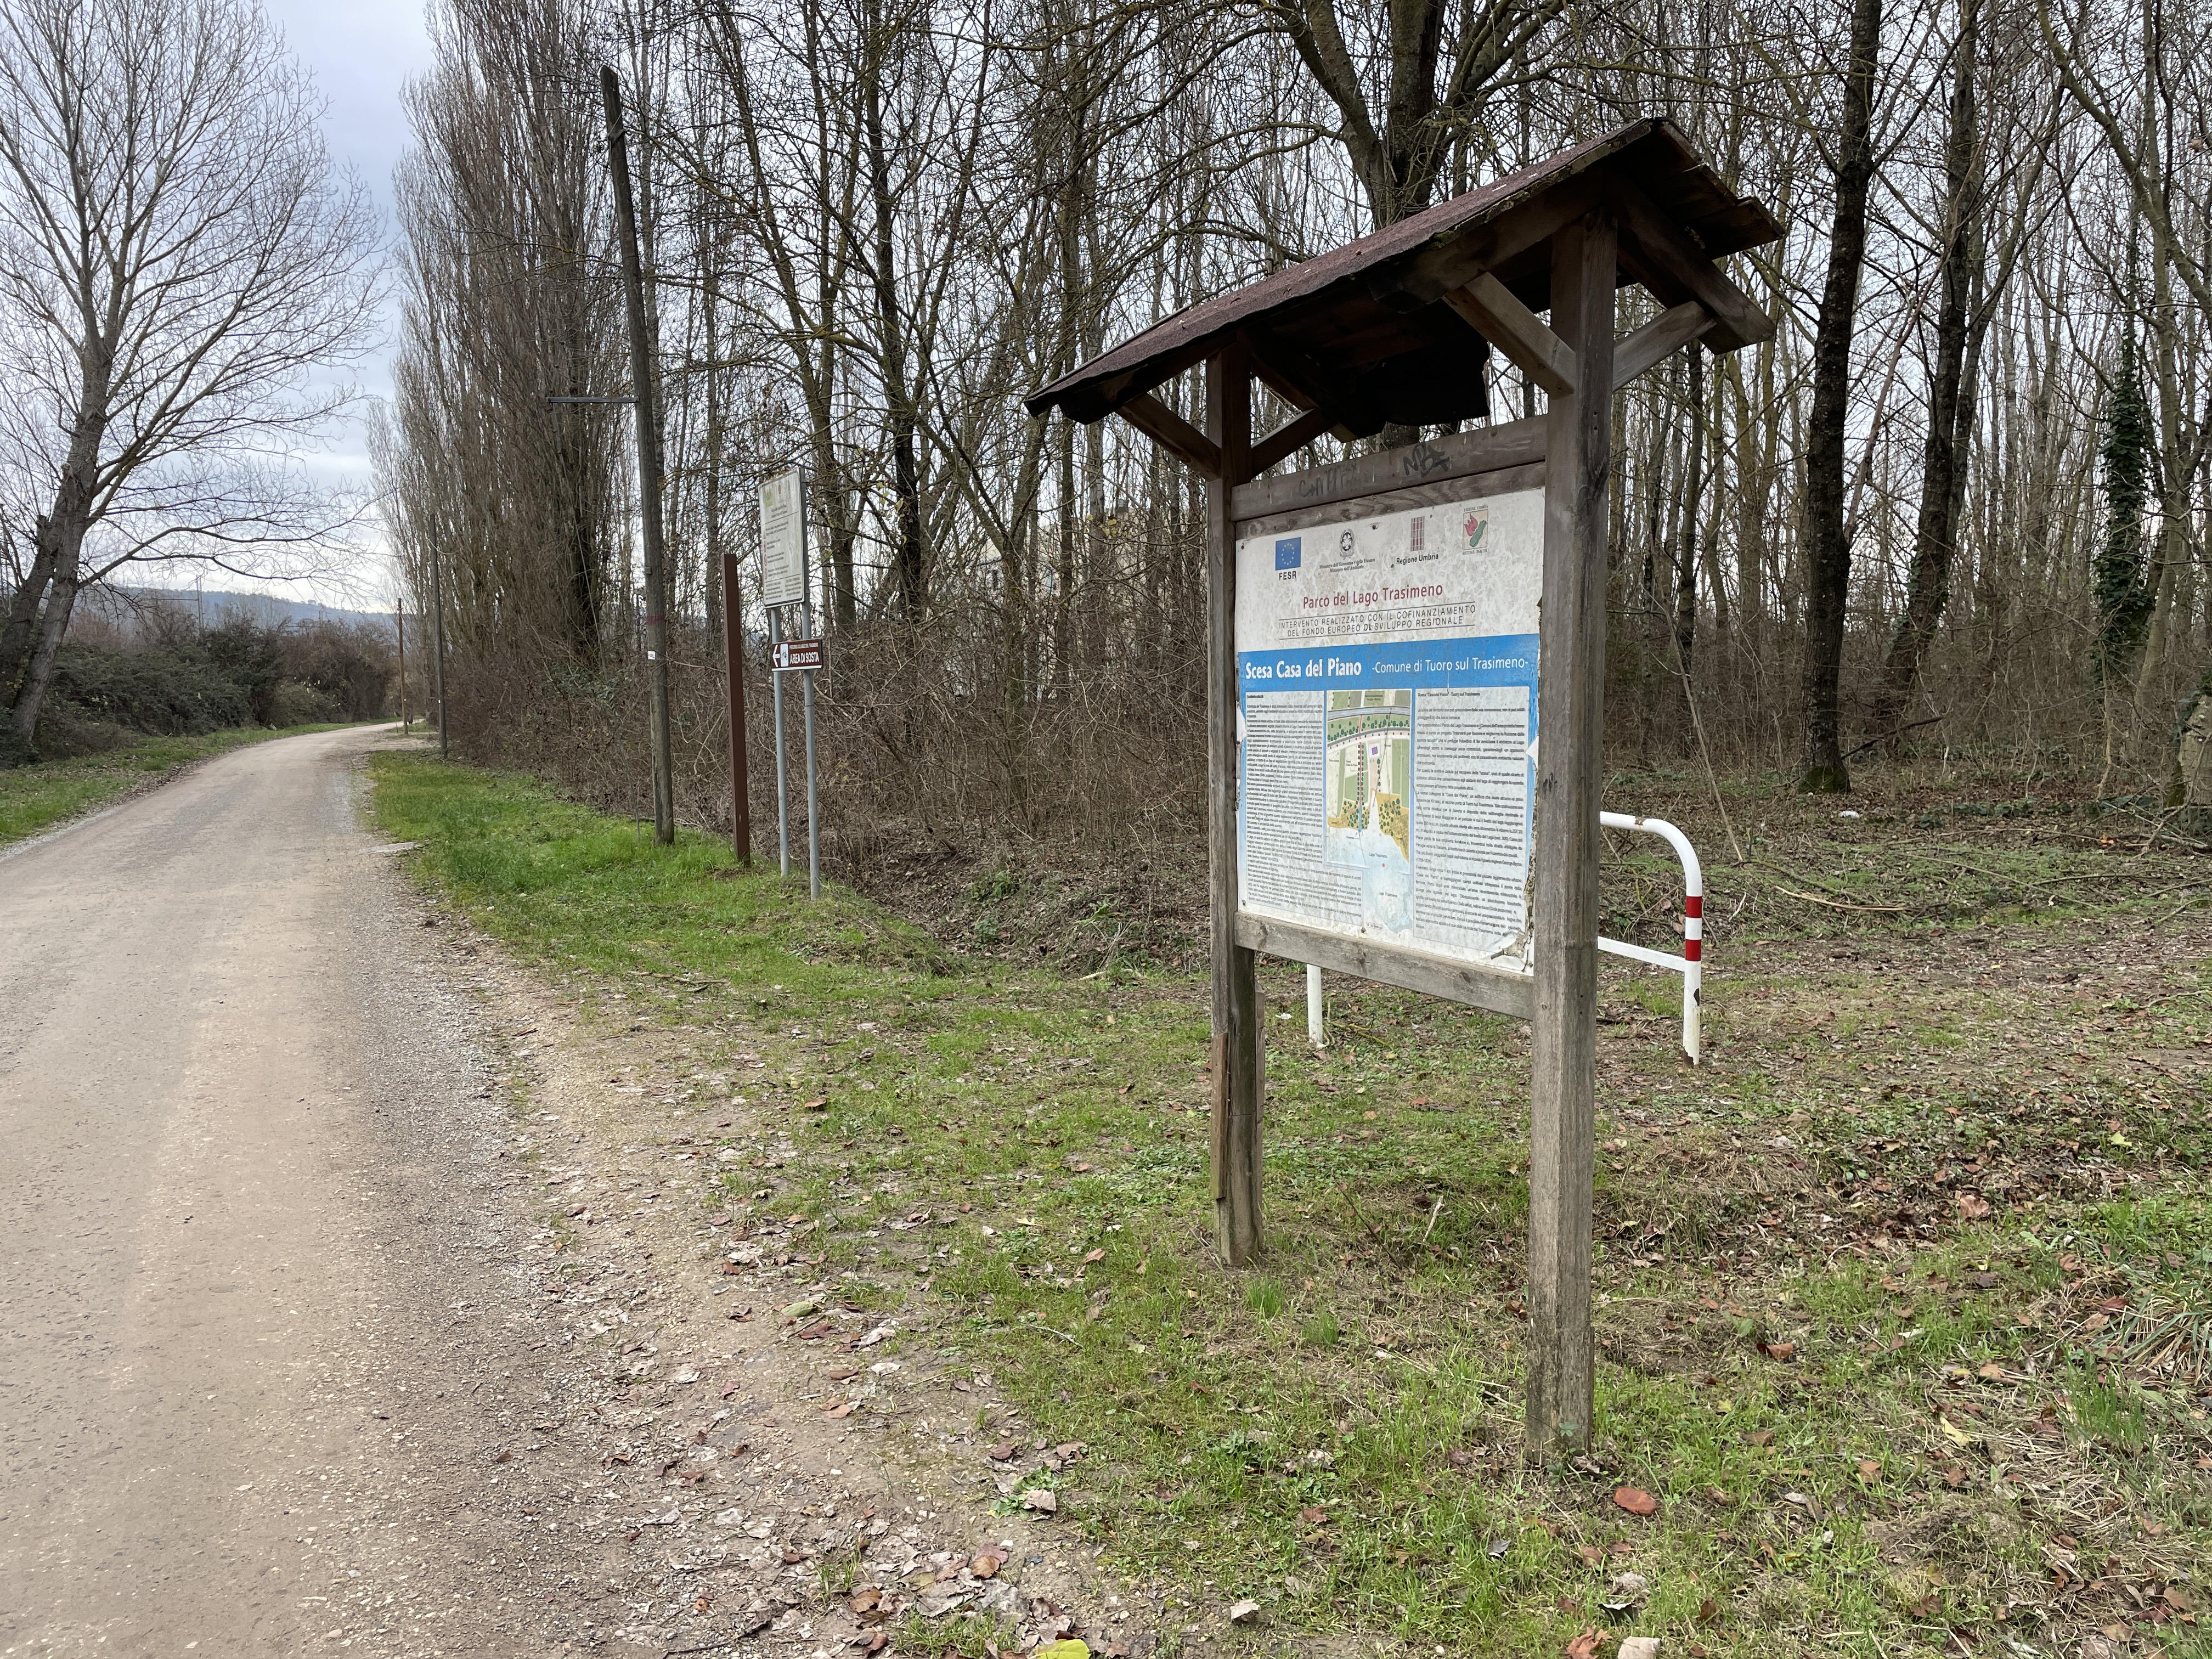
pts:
[43, 794]
[1905, 1300]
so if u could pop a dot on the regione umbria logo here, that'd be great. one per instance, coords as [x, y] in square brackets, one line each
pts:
[1287, 552]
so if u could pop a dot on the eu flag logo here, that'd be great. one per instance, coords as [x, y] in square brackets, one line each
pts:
[1286, 553]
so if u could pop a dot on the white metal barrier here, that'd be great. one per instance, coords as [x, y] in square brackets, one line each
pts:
[1690, 965]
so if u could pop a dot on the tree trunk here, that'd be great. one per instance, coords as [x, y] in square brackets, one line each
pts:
[909, 560]
[1943, 463]
[1686, 563]
[69, 524]
[1827, 550]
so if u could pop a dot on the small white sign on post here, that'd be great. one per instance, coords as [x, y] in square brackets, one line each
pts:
[783, 539]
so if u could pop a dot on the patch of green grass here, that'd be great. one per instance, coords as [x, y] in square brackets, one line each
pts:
[46, 793]
[1865, 1406]
[963, 1636]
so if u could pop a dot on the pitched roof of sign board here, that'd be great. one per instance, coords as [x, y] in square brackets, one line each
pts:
[1368, 317]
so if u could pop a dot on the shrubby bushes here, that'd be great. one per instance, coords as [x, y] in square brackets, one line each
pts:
[182, 683]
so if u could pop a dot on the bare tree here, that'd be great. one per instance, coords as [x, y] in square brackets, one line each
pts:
[183, 275]
[1828, 543]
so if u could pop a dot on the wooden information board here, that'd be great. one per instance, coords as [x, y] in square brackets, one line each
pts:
[1403, 766]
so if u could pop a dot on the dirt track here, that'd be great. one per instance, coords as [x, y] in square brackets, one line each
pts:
[288, 1362]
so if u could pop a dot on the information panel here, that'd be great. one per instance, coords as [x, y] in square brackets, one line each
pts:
[783, 538]
[1387, 681]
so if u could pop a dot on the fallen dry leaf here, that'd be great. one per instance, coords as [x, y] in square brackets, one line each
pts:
[1974, 1206]
[1584, 1646]
[1708, 1610]
[1314, 1516]
[845, 1410]
[1591, 1554]
[1868, 1470]
[1635, 1501]
[1043, 1499]
[865, 1600]
[1095, 1255]
[1759, 1437]
[1002, 1451]
[1778, 1350]
[985, 1566]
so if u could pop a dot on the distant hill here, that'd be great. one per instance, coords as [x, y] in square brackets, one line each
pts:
[216, 606]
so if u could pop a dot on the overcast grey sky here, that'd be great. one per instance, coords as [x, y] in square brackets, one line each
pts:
[361, 53]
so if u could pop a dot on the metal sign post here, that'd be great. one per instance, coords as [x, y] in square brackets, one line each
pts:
[783, 583]
[782, 761]
[807, 698]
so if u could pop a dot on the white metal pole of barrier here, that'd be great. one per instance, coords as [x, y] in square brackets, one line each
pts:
[1691, 964]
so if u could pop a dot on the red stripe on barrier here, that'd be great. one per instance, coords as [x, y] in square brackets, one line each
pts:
[1693, 949]
[1694, 905]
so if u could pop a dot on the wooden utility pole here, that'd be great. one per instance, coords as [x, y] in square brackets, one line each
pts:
[1570, 778]
[438, 653]
[647, 406]
[733, 653]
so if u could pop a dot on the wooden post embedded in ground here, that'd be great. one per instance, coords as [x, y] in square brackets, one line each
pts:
[438, 646]
[1570, 776]
[1238, 1028]
[733, 655]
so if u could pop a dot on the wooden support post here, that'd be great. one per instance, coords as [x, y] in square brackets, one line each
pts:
[1570, 775]
[1238, 1028]
[733, 655]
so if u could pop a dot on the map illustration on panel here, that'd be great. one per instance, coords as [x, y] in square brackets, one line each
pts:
[1368, 796]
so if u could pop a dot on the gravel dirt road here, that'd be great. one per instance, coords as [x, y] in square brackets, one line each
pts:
[294, 1357]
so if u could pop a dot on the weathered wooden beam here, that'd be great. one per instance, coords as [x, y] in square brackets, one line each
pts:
[1171, 432]
[1105, 396]
[1491, 307]
[1664, 335]
[1291, 371]
[1410, 499]
[1563, 914]
[1430, 275]
[1238, 1027]
[1494, 988]
[1684, 272]
[1290, 438]
[1456, 454]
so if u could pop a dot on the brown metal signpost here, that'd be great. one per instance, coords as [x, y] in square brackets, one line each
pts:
[1398, 327]
[733, 657]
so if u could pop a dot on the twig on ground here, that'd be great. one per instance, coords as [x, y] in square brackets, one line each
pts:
[1838, 904]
